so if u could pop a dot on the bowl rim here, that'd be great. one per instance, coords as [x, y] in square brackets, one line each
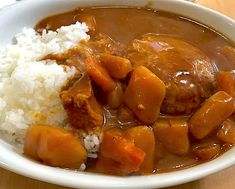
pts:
[23, 166]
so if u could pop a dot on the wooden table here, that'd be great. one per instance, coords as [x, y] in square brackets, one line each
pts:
[221, 180]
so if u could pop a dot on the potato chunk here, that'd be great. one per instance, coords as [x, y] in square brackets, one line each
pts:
[211, 115]
[144, 139]
[32, 141]
[54, 146]
[173, 133]
[227, 132]
[116, 66]
[144, 95]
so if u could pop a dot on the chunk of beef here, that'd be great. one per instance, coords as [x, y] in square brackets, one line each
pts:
[84, 112]
[186, 71]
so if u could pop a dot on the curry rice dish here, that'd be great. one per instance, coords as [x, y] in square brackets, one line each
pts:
[119, 90]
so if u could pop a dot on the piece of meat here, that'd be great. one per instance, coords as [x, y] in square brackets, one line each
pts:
[82, 50]
[186, 71]
[78, 61]
[84, 112]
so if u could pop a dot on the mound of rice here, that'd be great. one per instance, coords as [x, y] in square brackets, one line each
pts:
[30, 88]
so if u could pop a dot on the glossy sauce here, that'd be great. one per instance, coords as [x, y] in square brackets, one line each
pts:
[126, 24]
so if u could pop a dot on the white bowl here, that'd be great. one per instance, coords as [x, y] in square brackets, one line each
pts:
[28, 13]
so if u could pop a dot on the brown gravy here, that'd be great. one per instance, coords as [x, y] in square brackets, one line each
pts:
[125, 24]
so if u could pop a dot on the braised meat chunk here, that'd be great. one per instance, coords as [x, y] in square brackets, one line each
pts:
[185, 70]
[84, 112]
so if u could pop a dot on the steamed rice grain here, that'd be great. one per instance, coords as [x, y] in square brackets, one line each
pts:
[29, 87]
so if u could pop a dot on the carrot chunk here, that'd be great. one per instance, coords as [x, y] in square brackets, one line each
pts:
[54, 146]
[99, 75]
[116, 66]
[144, 95]
[116, 147]
[211, 115]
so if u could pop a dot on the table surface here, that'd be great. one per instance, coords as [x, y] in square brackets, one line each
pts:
[221, 180]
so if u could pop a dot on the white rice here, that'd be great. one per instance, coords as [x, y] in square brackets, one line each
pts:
[30, 88]
[92, 144]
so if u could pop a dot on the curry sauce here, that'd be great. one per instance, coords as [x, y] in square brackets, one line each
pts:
[158, 87]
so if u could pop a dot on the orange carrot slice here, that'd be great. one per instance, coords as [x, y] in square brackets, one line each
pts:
[99, 75]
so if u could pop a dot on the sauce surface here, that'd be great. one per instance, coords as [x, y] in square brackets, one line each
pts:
[126, 24]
